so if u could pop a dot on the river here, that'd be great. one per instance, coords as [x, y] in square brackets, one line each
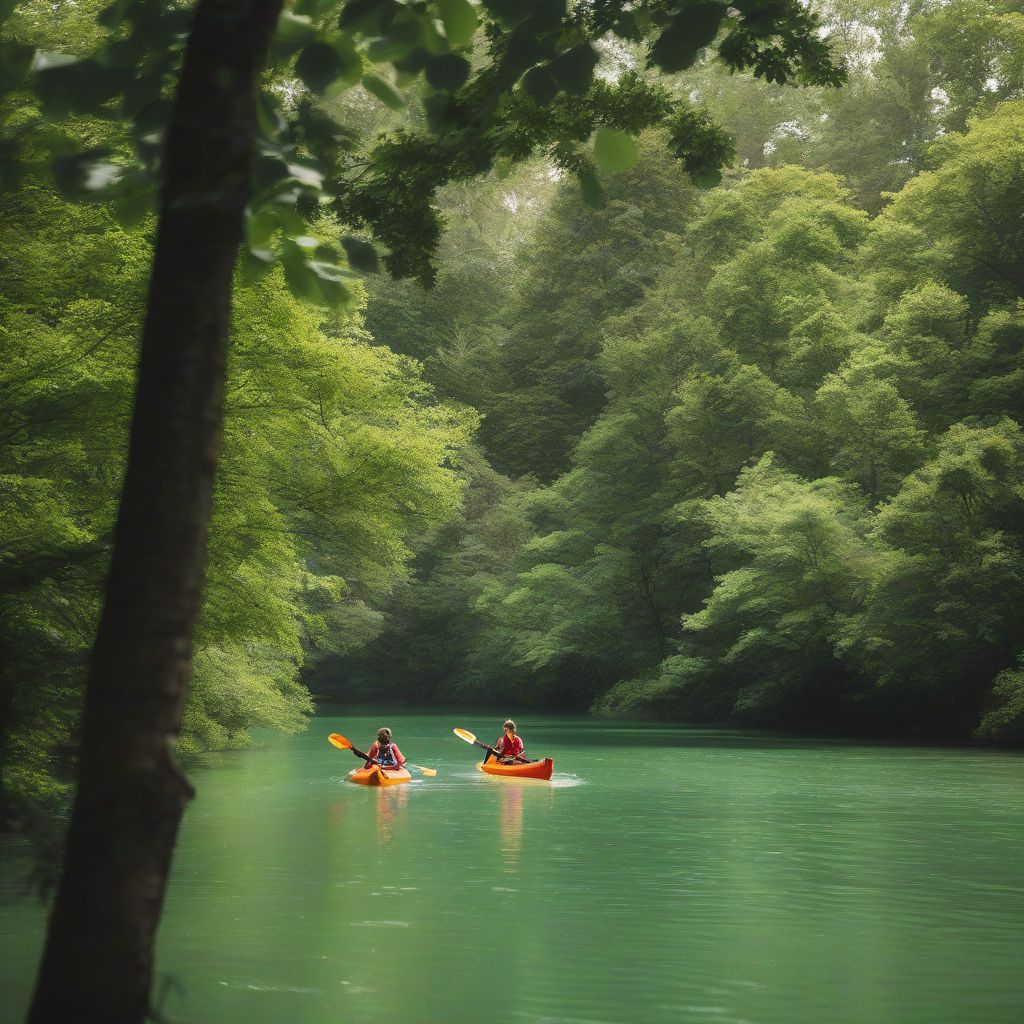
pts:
[666, 874]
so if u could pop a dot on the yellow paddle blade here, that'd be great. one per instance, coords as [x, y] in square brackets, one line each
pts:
[429, 772]
[339, 741]
[465, 734]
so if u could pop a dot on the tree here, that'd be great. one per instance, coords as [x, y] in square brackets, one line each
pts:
[966, 212]
[874, 435]
[940, 618]
[582, 266]
[790, 554]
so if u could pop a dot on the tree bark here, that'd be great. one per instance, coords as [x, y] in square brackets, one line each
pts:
[98, 960]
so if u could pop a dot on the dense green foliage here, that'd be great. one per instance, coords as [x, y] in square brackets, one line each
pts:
[334, 451]
[753, 453]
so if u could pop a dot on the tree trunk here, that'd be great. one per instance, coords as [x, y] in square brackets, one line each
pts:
[98, 960]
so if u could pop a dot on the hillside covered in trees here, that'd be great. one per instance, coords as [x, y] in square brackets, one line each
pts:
[750, 453]
[744, 450]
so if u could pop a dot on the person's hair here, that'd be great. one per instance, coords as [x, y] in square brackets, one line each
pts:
[509, 724]
[384, 735]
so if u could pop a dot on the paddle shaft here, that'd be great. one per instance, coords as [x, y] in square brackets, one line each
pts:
[519, 757]
[490, 750]
[465, 734]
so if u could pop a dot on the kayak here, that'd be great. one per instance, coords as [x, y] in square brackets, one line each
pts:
[377, 776]
[533, 770]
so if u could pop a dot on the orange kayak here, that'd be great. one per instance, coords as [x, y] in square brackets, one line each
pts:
[377, 776]
[533, 770]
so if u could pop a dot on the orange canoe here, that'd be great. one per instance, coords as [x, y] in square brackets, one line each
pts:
[377, 776]
[533, 770]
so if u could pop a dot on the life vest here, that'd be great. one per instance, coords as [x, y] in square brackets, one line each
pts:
[386, 756]
[508, 747]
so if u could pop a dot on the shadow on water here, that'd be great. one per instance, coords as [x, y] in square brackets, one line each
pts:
[540, 730]
[586, 732]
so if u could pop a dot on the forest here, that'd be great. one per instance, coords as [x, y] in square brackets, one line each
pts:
[655, 442]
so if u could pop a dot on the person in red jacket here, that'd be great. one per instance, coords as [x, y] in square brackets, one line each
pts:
[384, 752]
[510, 746]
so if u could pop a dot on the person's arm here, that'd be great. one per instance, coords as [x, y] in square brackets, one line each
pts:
[519, 750]
[398, 754]
[371, 756]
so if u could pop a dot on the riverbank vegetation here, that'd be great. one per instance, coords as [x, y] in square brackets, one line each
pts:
[746, 449]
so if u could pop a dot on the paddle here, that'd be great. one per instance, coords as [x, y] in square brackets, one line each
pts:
[465, 734]
[343, 744]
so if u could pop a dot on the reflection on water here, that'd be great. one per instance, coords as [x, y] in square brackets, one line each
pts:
[390, 801]
[745, 880]
[511, 822]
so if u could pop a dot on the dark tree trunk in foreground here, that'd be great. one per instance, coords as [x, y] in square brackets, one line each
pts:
[97, 964]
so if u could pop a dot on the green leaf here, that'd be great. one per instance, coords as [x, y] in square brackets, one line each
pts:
[413, 62]
[440, 109]
[368, 17]
[626, 26]
[293, 32]
[384, 91]
[306, 174]
[447, 72]
[313, 280]
[269, 117]
[590, 187]
[260, 226]
[547, 14]
[574, 69]
[459, 20]
[266, 170]
[614, 150]
[398, 43]
[140, 93]
[15, 60]
[314, 7]
[540, 85]
[317, 126]
[66, 85]
[709, 178]
[690, 30]
[300, 279]
[318, 65]
[361, 254]
[509, 12]
[256, 263]
[131, 208]
[83, 175]
[352, 63]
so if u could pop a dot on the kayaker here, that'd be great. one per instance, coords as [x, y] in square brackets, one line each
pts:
[510, 746]
[384, 752]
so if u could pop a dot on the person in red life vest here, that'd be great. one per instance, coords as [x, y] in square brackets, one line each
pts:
[384, 752]
[510, 746]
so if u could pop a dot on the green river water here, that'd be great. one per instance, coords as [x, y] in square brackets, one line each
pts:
[665, 874]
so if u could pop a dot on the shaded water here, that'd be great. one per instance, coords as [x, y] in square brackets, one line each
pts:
[665, 875]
